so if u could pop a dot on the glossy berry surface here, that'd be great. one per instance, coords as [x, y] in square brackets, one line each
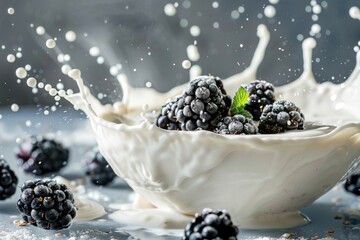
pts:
[40, 156]
[211, 224]
[47, 204]
[97, 168]
[352, 184]
[279, 117]
[236, 124]
[8, 180]
[261, 94]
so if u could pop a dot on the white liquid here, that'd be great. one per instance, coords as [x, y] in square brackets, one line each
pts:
[40, 30]
[31, 82]
[21, 72]
[14, 107]
[50, 43]
[70, 36]
[354, 12]
[11, 11]
[171, 174]
[195, 31]
[170, 9]
[10, 58]
[270, 11]
[94, 51]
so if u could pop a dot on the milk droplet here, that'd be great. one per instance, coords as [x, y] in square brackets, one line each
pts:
[31, 82]
[100, 60]
[62, 93]
[315, 28]
[148, 84]
[19, 55]
[40, 30]
[70, 36]
[10, 58]
[69, 92]
[114, 70]
[21, 72]
[215, 4]
[40, 85]
[270, 11]
[52, 92]
[65, 69]
[235, 14]
[28, 67]
[11, 11]
[59, 86]
[28, 123]
[60, 58]
[354, 12]
[50, 43]
[170, 9]
[273, 1]
[47, 87]
[195, 71]
[186, 64]
[195, 31]
[14, 107]
[67, 57]
[193, 53]
[316, 9]
[94, 51]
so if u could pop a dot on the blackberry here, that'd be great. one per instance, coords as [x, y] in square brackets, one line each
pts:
[46, 204]
[97, 168]
[352, 184]
[39, 155]
[236, 124]
[281, 116]
[261, 93]
[166, 119]
[8, 180]
[211, 224]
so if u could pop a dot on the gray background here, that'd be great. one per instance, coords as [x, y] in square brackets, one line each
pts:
[124, 30]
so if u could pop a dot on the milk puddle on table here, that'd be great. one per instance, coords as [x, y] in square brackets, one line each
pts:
[335, 108]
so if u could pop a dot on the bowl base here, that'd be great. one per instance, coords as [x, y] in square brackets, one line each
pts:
[274, 221]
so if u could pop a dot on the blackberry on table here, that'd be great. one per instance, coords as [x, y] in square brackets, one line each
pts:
[202, 105]
[279, 117]
[352, 184]
[8, 180]
[236, 124]
[46, 204]
[211, 224]
[261, 94]
[40, 156]
[98, 169]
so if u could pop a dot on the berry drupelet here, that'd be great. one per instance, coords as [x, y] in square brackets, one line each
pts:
[8, 180]
[352, 184]
[236, 124]
[97, 168]
[39, 155]
[166, 119]
[279, 117]
[211, 224]
[261, 94]
[46, 204]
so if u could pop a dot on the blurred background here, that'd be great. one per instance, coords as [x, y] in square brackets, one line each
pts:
[147, 40]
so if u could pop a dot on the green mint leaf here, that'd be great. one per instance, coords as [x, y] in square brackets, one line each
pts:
[246, 113]
[239, 101]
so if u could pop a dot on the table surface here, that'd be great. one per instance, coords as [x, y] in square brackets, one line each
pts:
[336, 214]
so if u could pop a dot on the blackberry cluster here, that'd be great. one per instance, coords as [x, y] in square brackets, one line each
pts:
[201, 107]
[279, 117]
[97, 168]
[352, 184]
[47, 204]
[261, 93]
[39, 155]
[211, 224]
[8, 180]
[236, 124]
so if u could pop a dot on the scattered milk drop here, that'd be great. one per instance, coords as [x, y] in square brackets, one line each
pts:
[19, 55]
[100, 60]
[18, 140]
[215, 4]
[10, 58]
[40, 85]
[52, 92]
[114, 70]
[148, 84]
[21, 72]
[62, 93]
[195, 31]
[354, 12]
[70, 36]
[28, 67]
[31, 82]
[46, 112]
[186, 64]
[170, 9]
[241, 9]
[14, 107]
[235, 14]
[316, 9]
[65, 69]
[69, 92]
[195, 71]
[50, 43]
[184, 23]
[48, 87]
[274, 1]
[193, 53]
[60, 58]
[11, 11]
[67, 57]
[57, 98]
[94, 51]
[59, 86]
[315, 28]
[28, 123]
[40, 30]
[270, 11]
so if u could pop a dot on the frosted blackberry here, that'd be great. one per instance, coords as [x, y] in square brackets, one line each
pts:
[46, 204]
[352, 184]
[279, 117]
[261, 93]
[39, 156]
[97, 168]
[211, 224]
[203, 105]
[236, 124]
[8, 180]
[166, 119]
